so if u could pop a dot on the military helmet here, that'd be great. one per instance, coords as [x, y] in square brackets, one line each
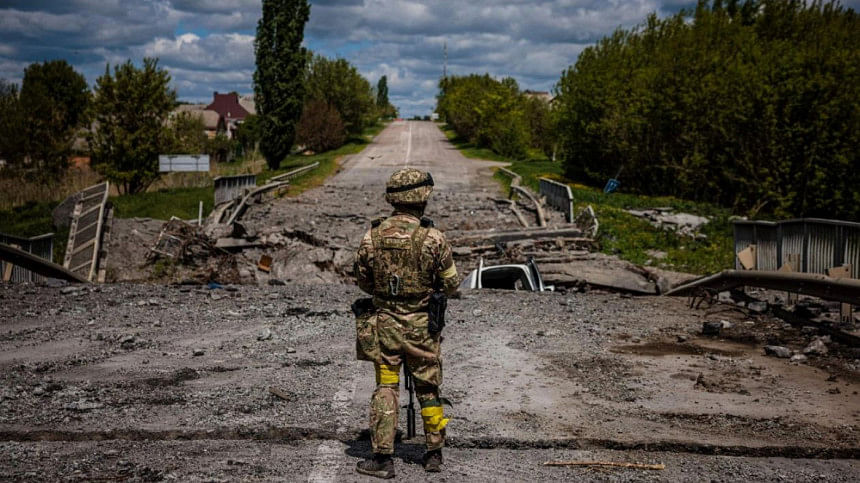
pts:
[408, 186]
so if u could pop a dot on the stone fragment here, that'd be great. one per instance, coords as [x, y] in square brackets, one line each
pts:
[72, 289]
[264, 334]
[711, 328]
[198, 352]
[777, 351]
[816, 348]
[758, 306]
[798, 358]
[83, 406]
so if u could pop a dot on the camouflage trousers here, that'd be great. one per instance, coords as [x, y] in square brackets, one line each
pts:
[403, 338]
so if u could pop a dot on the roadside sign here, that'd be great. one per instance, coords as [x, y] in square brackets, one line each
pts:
[169, 163]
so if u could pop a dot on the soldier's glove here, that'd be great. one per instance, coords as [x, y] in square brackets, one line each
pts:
[436, 312]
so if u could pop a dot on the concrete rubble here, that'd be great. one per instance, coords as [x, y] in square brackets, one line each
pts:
[229, 372]
[684, 224]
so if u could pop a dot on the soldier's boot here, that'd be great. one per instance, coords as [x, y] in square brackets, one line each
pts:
[433, 461]
[380, 466]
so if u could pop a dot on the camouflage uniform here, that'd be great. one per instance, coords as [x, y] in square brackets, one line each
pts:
[400, 261]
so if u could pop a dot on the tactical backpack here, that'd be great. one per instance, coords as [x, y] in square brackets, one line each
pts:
[397, 269]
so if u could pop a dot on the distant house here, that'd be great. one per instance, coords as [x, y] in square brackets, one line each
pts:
[233, 109]
[248, 103]
[542, 95]
[213, 122]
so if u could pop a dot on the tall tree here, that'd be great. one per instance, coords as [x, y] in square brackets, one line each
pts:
[382, 92]
[53, 102]
[278, 80]
[11, 125]
[130, 109]
[339, 84]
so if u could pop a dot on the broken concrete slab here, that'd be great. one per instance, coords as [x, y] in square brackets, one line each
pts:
[683, 223]
[605, 273]
[777, 351]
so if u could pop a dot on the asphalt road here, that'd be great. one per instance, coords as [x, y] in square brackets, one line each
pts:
[148, 382]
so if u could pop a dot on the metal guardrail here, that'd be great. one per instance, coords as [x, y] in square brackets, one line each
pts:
[228, 188]
[819, 244]
[41, 246]
[92, 214]
[295, 172]
[558, 195]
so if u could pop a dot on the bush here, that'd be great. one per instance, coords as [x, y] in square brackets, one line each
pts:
[486, 112]
[753, 106]
[320, 127]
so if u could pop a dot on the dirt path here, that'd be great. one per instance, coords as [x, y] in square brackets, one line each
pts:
[147, 382]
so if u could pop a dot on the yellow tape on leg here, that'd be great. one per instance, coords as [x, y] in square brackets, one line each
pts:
[434, 419]
[386, 374]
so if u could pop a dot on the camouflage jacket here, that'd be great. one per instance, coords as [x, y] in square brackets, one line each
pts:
[436, 270]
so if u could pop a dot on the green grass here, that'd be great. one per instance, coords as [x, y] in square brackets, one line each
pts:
[33, 219]
[183, 202]
[329, 163]
[468, 149]
[631, 237]
[162, 204]
[621, 233]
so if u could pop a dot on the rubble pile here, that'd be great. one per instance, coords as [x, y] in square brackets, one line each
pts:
[182, 253]
[684, 224]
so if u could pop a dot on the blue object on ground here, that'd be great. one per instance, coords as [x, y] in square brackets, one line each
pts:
[611, 185]
[214, 285]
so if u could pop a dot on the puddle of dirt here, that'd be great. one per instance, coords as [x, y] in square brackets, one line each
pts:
[671, 348]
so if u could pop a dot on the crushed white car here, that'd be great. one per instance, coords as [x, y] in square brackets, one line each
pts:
[507, 277]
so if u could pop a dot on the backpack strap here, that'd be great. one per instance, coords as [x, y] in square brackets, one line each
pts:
[376, 239]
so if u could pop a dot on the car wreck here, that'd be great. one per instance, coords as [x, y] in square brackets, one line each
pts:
[507, 277]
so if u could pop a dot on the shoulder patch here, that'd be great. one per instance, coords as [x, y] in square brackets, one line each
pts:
[426, 222]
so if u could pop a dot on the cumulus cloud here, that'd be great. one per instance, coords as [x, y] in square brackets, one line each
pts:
[207, 45]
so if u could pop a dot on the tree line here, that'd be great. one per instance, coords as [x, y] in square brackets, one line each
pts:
[754, 105]
[494, 114]
[129, 117]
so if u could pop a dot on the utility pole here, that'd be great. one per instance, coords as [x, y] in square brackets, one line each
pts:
[445, 65]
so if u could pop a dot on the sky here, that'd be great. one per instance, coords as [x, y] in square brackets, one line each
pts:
[208, 45]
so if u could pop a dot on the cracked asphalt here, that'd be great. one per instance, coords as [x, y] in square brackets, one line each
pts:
[145, 382]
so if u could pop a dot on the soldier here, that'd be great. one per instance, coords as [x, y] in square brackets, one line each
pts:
[404, 263]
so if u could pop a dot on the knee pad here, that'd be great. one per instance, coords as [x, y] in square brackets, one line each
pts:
[388, 375]
[434, 419]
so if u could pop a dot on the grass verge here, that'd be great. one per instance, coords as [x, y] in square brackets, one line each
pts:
[162, 204]
[622, 234]
[329, 163]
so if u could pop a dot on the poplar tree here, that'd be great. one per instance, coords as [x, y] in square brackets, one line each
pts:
[382, 92]
[278, 80]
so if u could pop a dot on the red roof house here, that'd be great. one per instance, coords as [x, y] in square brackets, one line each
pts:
[228, 106]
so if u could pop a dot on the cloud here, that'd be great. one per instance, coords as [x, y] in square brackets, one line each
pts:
[207, 45]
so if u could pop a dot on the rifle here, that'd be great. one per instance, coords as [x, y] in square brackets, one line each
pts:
[410, 408]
